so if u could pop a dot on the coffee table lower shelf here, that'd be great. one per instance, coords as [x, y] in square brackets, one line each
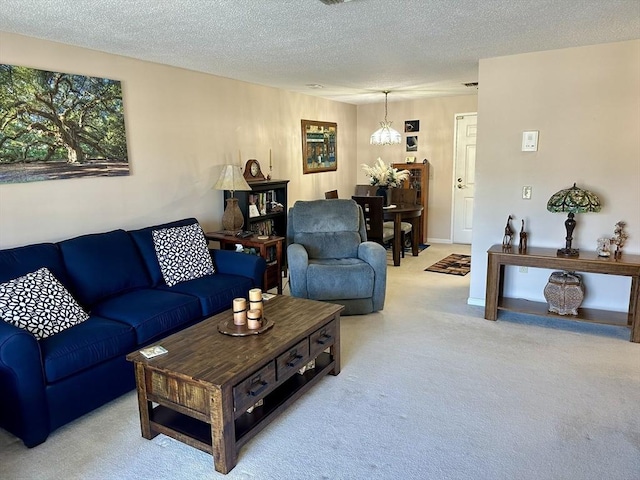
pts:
[197, 433]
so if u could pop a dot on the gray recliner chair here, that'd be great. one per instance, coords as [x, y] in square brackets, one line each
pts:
[330, 259]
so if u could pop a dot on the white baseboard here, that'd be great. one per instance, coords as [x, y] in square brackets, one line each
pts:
[479, 302]
[439, 240]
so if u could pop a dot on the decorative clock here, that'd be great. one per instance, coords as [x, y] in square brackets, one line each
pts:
[252, 171]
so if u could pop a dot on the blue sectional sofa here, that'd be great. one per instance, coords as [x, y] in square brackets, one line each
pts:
[116, 278]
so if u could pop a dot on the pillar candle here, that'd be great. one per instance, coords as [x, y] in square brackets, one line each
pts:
[239, 311]
[254, 319]
[256, 306]
[255, 294]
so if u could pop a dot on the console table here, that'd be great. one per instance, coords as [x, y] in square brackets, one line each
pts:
[588, 262]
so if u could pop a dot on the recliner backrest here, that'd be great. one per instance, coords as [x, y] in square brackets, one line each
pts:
[326, 228]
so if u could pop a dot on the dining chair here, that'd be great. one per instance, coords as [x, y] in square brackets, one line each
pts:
[365, 190]
[403, 196]
[372, 208]
[331, 194]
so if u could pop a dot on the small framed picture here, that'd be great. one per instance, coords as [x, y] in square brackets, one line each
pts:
[412, 143]
[410, 159]
[411, 126]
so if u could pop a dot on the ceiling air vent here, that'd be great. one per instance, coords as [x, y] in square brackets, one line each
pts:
[334, 2]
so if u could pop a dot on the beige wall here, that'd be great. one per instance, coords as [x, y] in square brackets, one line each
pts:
[585, 102]
[435, 143]
[182, 127]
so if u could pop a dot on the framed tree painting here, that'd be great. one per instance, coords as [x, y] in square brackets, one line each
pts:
[59, 125]
[319, 146]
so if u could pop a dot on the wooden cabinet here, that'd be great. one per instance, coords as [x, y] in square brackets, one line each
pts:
[270, 248]
[264, 207]
[418, 180]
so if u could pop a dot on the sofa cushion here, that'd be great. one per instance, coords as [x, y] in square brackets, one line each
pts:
[40, 304]
[335, 279]
[150, 312]
[215, 292]
[182, 253]
[102, 265]
[143, 238]
[85, 346]
[16, 262]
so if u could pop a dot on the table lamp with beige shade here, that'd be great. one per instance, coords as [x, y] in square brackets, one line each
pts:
[232, 179]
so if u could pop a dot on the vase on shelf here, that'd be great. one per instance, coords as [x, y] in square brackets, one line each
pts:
[384, 192]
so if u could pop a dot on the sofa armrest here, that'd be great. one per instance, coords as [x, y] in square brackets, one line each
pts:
[236, 263]
[23, 404]
[298, 263]
[376, 256]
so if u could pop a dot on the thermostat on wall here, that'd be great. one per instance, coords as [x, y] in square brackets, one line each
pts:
[530, 141]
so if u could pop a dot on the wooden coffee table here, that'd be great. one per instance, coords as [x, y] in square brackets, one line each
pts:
[204, 387]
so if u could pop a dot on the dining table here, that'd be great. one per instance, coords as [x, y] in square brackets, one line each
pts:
[398, 213]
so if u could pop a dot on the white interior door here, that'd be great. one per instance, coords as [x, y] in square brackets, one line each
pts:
[464, 176]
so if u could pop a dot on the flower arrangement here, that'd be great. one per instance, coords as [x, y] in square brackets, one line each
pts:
[619, 238]
[384, 175]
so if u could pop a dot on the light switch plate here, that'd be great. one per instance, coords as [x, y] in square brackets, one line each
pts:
[526, 193]
[530, 141]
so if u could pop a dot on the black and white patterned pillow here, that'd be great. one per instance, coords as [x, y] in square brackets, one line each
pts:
[39, 303]
[182, 253]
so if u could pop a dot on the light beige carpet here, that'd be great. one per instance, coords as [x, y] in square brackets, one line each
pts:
[428, 390]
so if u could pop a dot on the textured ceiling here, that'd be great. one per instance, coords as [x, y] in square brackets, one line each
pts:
[356, 49]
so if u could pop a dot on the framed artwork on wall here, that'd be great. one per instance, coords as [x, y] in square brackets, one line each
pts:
[319, 146]
[59, 125]
[411, 126]
[412, 143]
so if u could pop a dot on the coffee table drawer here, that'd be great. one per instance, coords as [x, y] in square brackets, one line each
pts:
[293, 359]
[322, 339]
[164, 388]
[254, 387]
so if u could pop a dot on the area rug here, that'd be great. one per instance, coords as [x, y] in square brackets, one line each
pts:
[454, 264]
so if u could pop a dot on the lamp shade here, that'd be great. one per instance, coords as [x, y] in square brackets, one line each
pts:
[231, 178]
[385, 135]
[574, 200]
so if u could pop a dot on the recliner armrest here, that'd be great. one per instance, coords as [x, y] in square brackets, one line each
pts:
[298, 262]
[375, 255]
